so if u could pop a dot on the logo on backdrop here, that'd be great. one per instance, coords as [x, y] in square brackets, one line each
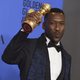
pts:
[2, 39]
[27, 4]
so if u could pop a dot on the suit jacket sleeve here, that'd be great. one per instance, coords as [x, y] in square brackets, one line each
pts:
[14, 51]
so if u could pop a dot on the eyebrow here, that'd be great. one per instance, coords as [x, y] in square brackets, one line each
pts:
[58, 20]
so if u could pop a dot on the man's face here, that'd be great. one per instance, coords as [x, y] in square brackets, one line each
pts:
[54, 26]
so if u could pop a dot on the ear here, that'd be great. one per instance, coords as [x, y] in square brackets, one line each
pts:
[43, 25]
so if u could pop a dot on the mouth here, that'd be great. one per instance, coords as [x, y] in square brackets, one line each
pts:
[57, 35]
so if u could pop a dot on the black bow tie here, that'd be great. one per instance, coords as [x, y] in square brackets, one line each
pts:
[57, 47]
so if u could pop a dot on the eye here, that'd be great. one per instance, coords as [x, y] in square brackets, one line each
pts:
[52, 22]
[61, 23]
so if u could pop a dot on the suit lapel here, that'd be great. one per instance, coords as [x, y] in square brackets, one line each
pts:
[44, 51]
[61, 76]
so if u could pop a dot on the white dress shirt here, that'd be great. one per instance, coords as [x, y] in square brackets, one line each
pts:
[55, 58]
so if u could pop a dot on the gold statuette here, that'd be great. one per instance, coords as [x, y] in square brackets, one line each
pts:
[30, 23]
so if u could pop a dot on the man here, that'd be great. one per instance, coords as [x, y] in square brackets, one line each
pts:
[43, 58]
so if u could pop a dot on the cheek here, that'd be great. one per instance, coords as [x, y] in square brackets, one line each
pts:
[51, 27]
[50, 30]
[62, 31]
[62, 28]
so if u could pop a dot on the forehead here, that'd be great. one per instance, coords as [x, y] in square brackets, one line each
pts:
[56, 16]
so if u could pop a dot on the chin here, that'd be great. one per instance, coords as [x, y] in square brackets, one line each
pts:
[56, 40]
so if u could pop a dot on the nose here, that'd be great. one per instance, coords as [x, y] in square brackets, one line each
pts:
[57, 27]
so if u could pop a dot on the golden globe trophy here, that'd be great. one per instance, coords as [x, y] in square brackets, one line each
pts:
[30, 23]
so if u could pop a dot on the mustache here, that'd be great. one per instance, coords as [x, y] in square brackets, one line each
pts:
[57, 32]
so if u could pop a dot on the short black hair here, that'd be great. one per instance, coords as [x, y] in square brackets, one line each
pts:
[55, 10]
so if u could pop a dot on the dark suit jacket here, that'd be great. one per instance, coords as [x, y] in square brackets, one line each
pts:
[21, 49]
